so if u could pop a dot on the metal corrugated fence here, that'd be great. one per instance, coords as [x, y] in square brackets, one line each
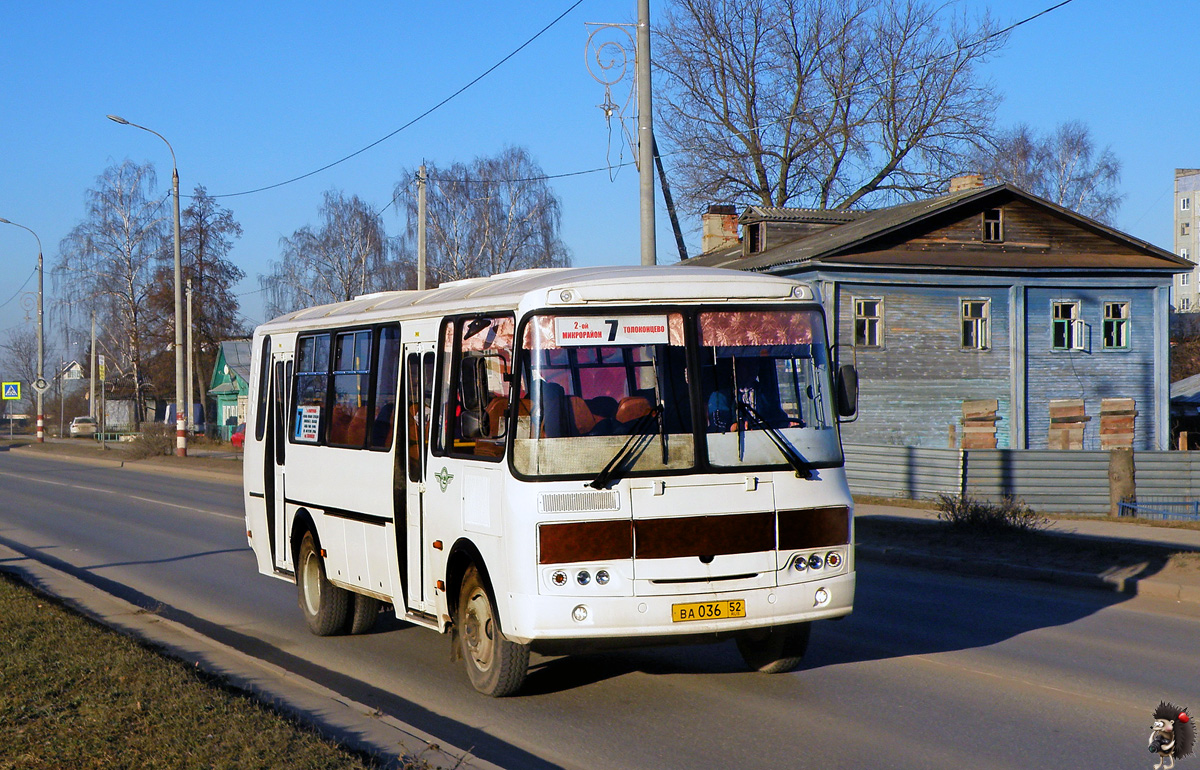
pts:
[1051, 481]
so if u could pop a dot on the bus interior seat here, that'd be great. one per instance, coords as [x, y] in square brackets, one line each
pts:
[631, 409]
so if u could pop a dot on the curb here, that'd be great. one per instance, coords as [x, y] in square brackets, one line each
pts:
[1115, 582]
[205, 474]
[348, 722]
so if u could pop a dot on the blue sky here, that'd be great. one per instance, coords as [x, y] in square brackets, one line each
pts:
[251, 94]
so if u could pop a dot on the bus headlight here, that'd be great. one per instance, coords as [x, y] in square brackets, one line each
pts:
[800, 563]
[602, 577]
[580, 613]
[559, 578]
[820, 598]
[815, 561]
[833, 560]
[583, 578]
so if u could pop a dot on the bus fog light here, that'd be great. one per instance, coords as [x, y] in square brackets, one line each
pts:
[583, 578]
[559, 578]
[833, 560]
[580, 613]
[820, 598]
[815, 561]
[800, 563]
[602, 577]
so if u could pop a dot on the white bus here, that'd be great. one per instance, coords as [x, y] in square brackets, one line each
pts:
[558, 460]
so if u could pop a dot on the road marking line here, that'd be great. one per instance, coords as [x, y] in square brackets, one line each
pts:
[131, 497]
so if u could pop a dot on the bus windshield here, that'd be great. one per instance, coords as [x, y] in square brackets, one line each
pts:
[609, 396]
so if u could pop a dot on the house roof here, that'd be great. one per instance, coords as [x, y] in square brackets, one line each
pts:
[237, 357]
[870, 231]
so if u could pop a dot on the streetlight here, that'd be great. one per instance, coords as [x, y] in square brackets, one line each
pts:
[40, 385]
[181, 410]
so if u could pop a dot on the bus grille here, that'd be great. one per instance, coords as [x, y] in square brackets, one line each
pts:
[578, 502]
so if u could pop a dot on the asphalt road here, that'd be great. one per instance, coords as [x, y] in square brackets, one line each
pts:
[931, 671]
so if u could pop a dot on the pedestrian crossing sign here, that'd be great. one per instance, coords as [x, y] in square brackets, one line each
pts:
[12, 391]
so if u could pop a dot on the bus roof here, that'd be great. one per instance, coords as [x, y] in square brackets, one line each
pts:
[548, 286]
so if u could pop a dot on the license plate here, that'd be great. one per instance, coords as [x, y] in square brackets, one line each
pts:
[731, 608]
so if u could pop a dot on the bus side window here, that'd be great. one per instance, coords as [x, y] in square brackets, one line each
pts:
[476, 421]
[387, 383]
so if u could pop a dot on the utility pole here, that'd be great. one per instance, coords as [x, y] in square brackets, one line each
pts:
[92, 373]
[645, 134]
[421, 181]
[190, 416]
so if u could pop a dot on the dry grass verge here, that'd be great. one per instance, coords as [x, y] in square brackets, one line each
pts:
[74, 694]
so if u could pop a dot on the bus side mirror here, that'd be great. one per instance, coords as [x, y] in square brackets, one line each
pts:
[846, 387]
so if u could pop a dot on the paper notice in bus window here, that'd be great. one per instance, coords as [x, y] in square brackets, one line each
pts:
[308, 420]
[618, 330]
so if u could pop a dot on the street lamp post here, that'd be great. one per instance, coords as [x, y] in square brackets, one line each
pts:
[40, 385]
[181, 410]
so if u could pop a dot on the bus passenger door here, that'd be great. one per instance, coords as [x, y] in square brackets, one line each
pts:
[276, 455]
[418, 416]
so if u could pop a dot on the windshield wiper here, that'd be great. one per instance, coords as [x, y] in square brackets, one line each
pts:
[639, 430]
[802, 467]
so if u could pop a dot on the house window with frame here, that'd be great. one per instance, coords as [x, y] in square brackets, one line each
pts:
[1185, 228]
[1185, 204]
[1068, 332]
[993, 226]
[1184, 253]
[975, 314]
[868, 323]
[1185, 303]
[1183, 279]
[1116, 326]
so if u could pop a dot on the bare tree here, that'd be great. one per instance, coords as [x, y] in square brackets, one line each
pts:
[18, 360]
[207, 233]
[494, 215]
[819, 102]
[347, 255]
[1063, 166]
[106, 267]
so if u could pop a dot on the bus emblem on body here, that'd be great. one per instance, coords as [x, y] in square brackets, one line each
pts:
[443, 477]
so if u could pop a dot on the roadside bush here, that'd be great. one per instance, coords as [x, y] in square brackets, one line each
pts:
[156, 439]
[970, 513]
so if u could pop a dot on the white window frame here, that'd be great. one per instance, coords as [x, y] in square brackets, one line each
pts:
[1185, 204]
[1184, 253]
[1185, 303]
[1183, 279]
[871, 324]
[1074, 329]
[993, 229]
[1120, 324]
[975, 328]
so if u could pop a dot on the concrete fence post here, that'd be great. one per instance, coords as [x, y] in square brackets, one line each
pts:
[1121, 479]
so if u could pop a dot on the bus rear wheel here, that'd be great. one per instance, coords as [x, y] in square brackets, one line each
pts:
[496, 665]
[362, 614]
[326, 607]
[775, 650]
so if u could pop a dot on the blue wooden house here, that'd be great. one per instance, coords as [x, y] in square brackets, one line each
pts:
[986, 317]
[229, 385]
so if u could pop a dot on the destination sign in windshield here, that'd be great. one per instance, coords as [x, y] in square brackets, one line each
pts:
[621, 330]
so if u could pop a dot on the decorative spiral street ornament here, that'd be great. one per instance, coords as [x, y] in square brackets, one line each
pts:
[29, 304]
[610, 55]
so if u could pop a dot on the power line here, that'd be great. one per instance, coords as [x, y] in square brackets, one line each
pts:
[423, 115]
[948, 54]
[18, 292]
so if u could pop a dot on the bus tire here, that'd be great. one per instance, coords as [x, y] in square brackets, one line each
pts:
[326, 607]
[496, 665]
[362, 614]
[775, 650]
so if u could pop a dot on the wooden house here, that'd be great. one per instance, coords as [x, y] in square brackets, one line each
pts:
[986, 317]
[230, 385]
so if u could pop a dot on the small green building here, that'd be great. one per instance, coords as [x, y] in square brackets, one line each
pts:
[230, 385]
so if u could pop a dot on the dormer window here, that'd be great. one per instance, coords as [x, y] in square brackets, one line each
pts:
[754, 238]
[993, 226]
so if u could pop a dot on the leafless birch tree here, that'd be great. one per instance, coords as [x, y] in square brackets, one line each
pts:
[493, 215]
[106, 267]
[1064, 166]
[819, 103]
[346, 255]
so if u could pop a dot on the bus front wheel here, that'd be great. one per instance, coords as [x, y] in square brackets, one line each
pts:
[495, 664]
[326, 607]
[775, 650]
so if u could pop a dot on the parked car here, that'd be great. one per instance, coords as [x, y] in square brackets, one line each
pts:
[238, 439]
[83, 426]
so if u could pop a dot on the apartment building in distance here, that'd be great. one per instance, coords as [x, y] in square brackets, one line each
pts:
[1185, 294]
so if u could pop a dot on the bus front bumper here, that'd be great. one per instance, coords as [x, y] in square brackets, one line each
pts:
[554, 621]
